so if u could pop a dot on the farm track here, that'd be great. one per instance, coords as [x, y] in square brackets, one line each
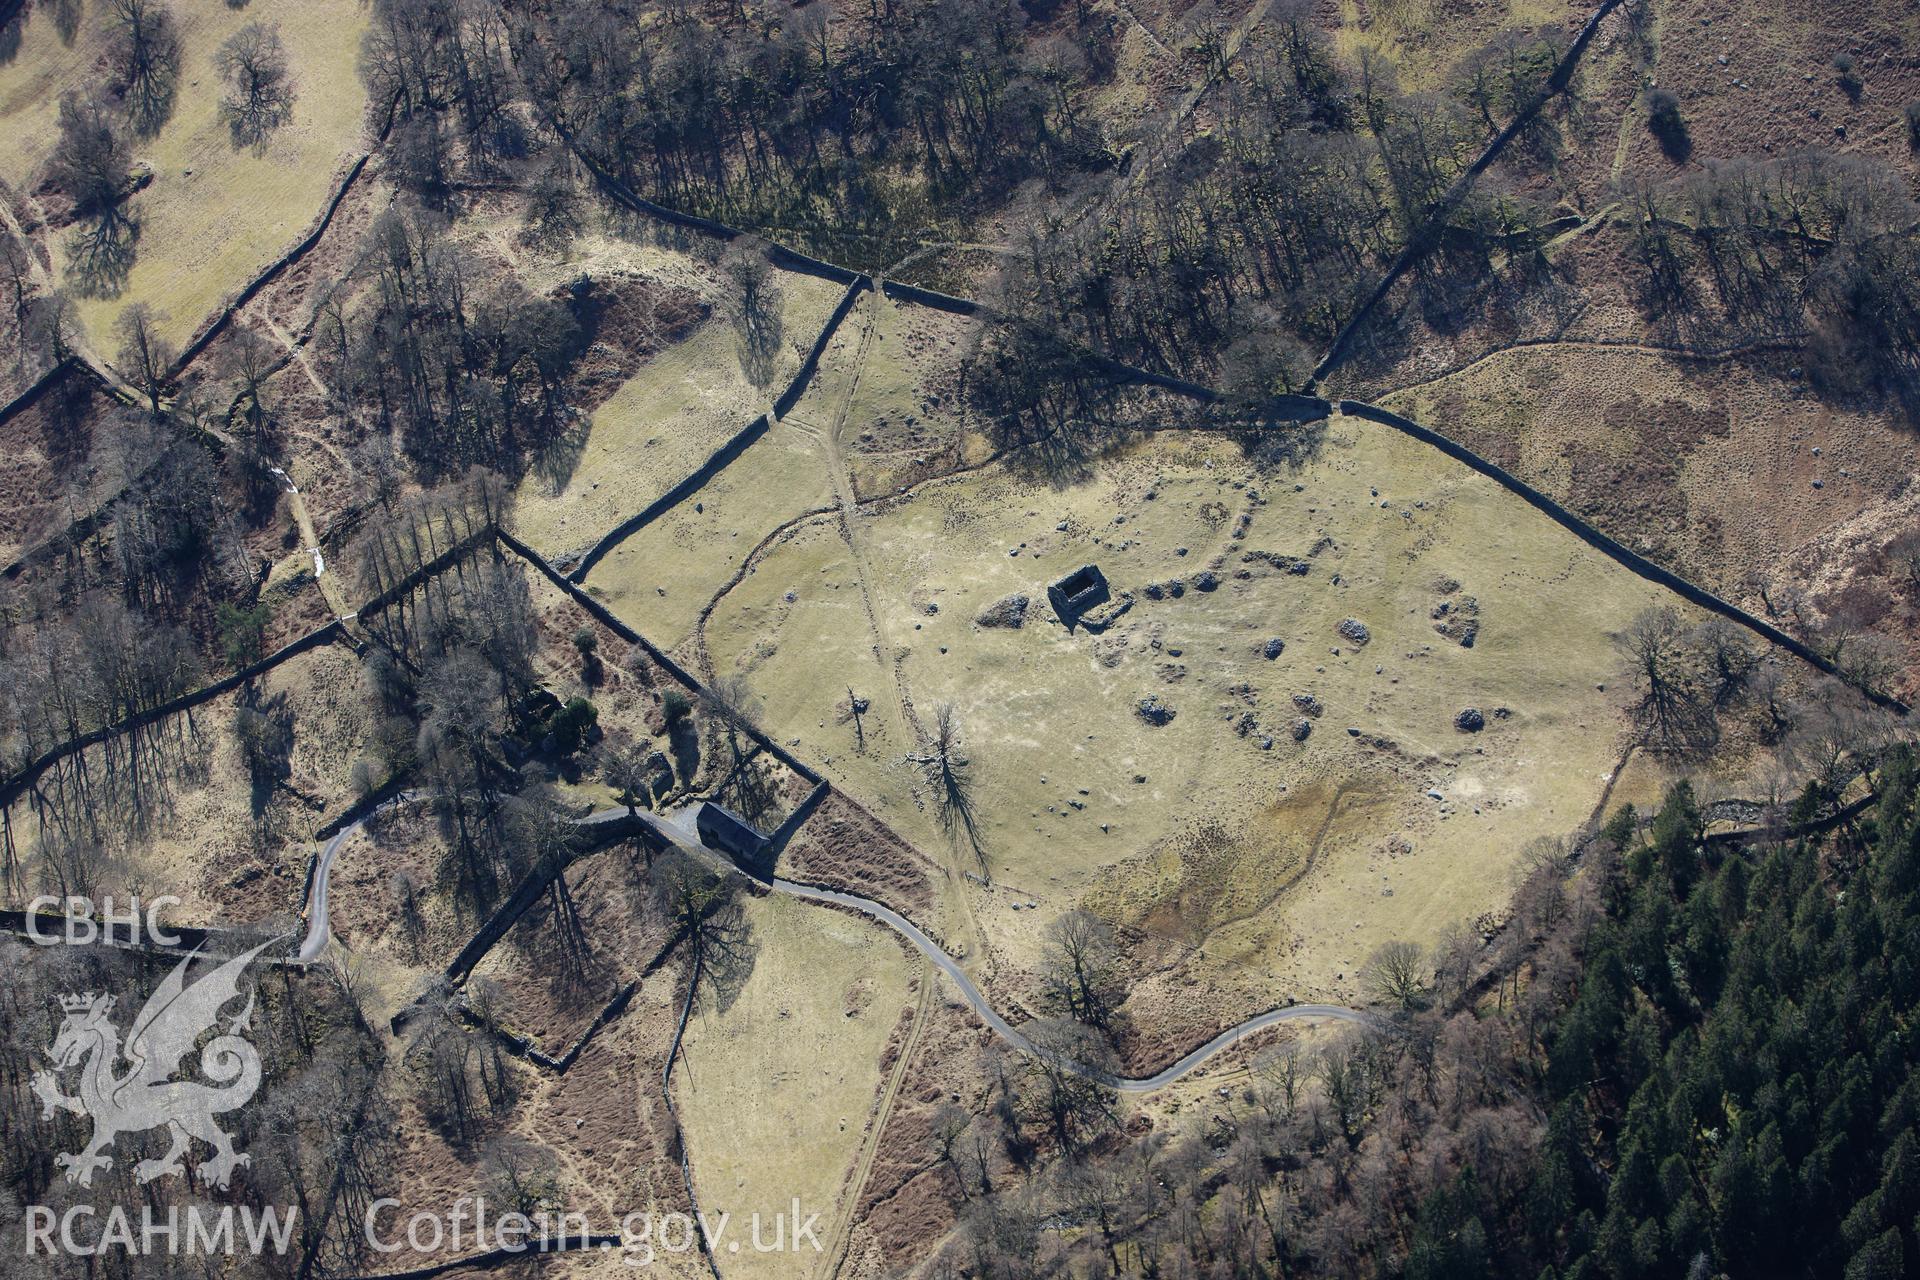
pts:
[310, 543]
[835, 1255]
[1698, 355]
[317, 938]
[849, 506]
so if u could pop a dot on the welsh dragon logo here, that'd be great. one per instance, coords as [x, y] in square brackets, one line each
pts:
[144, 1095]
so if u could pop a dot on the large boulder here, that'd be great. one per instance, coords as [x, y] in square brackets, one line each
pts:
[1010, 612]
[1470, 721]
[1153, 710]
[1354, 631]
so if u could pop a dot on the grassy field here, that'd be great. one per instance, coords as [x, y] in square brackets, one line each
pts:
[213, 214]
[1424, 40]
[664, 422]
[661, 578]
[904, 418]
[1271, 865]
[774, 1087]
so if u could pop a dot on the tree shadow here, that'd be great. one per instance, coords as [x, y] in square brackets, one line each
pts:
[1667, 126]
[757, 331]
[558, 454]
[729, 952]
[100, 254]
[264, 727]
[1283, 446]
[683, 740]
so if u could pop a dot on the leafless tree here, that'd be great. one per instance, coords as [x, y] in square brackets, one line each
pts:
[950, 773]
[1674, 714]
[1081, 969]
[1837, 735]
[251, 362]
[523, 1176]
[948, 1133]
[553, 219]
[753, 301]
[1727, 656]
[1065, 1092]
[1903, 553]
[623, 764]
[540, 825]
[259, 88]
[1773, 706]
[460, 1074]
[50, 327]
[144, 355]
[736, 709]
[90, 162]
[16, 283]
[145, 51]
[1397, 972]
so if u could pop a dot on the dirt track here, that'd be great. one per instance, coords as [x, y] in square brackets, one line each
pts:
[677, 833]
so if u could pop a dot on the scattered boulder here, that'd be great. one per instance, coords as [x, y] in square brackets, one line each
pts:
[1010, 612]
[1308, 703]
[1276, 561]
[1354, 630]
[1205, 580]
[1154, 711]
[1273, 648]
[1457, 617]
[1470, 721]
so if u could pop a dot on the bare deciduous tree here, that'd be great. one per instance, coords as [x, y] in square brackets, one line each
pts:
[736, 708]
[1064, 1089]
[950, 773]
[144, 355]
[623, 764]
[145, 51]
[1081, 974]
[753, 301]
[703, 907]
[1727, 657]
[1674, 715]
[1397, 972]
[259, 96]
[90, 159]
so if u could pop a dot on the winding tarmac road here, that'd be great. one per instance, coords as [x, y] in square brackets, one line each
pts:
[679, 836]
